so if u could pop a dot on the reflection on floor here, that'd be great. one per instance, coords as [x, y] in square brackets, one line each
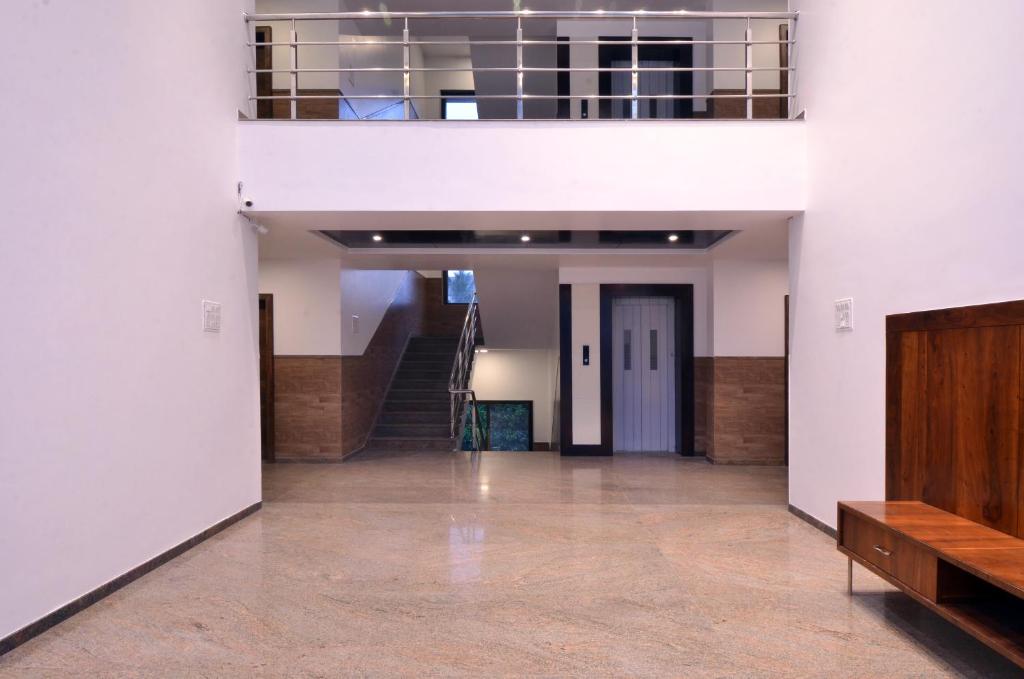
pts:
[510, 564]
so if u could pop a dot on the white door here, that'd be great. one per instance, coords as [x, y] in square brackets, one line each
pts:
[643, 368]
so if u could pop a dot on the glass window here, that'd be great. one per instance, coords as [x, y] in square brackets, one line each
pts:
[459, 287]
[506, 425]
[458, 105]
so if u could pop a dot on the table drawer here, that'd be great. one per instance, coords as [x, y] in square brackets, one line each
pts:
[890, 553]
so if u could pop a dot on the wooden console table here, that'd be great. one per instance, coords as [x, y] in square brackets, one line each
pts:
[971, 575]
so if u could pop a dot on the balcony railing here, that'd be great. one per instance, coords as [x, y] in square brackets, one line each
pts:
[522, 65]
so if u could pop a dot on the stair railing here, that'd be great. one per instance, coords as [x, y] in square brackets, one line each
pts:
[463, 400]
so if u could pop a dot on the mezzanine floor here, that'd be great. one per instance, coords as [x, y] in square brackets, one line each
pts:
[509, 564]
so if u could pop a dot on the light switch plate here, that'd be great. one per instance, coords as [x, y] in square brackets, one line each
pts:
[211, 316]
[844, 315]
[355, 324]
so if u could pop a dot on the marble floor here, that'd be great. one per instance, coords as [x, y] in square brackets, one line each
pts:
[509, 564]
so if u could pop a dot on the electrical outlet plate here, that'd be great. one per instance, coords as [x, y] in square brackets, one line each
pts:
[211, 316]
[844, 314]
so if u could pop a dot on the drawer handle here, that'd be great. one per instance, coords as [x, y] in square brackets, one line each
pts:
[883, 551]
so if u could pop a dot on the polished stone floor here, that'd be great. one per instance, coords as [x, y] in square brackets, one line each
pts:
[509, 564]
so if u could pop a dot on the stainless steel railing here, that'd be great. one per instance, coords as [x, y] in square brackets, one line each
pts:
[463, 402]
[635, 30]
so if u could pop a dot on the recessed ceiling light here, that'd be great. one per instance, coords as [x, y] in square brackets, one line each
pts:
[377, 238]
[481, 351]
[672, 238]
[525, 238]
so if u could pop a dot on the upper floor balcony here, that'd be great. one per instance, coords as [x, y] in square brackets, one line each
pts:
[548, 118]
[523, 65]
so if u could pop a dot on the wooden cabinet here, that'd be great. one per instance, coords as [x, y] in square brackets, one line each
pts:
[873, 543]
[949, 533]
[968, 573]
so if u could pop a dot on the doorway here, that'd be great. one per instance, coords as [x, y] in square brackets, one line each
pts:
[264, 81]
[266, 323]
[643, 375]
[618, 83]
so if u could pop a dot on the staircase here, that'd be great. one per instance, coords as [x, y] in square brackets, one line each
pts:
[416, 412]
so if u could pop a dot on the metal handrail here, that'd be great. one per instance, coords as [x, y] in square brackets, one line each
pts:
[462, 371]
[479, 433]
[522, 14]
[406, 42]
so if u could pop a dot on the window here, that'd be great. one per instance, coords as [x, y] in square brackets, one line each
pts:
[506, 425]
[458, 105]
[459, 287]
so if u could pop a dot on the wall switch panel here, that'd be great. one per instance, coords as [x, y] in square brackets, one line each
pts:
[211, 316]
[844, 315]
[355, 324]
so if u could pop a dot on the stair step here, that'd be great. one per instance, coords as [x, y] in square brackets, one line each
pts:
[420, 383]
[433, 406]
[426, 343]
[410, 443]
[427, 360]
[420, 374]
[415, 417]
[407, 430]
[418, 395]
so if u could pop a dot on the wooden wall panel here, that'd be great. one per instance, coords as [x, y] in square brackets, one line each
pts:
[974, 423]
[703, 375]
[913, 416]
[748, 411]
[954, 412]
[442, 320]
[307, 405]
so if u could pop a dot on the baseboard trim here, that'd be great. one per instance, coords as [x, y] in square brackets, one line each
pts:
[12, 641]
[804, 516]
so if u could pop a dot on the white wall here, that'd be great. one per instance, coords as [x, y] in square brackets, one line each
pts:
[307, 305]
[699, 276]
[586, 379]
[509, 375]
[125, 428]
[366, 294]
[914, 203]
[735, 55]
[712, 165]
[310, 56]
[433, 83]
[748, 307]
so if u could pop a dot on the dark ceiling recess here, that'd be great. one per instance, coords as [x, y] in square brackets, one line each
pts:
[598, 240]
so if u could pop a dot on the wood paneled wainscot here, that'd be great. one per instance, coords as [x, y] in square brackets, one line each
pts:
[949, 533]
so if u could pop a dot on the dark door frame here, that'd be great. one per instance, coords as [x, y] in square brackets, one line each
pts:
[680, 55]
[683, 296]
[267, 454]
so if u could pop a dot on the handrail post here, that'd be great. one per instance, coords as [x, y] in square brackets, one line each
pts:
[519, 68]
[635, 80]
[405, 73]
[790, 79]
[294, 89]
[749, 60]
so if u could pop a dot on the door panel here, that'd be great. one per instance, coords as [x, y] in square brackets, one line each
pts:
[643, 380]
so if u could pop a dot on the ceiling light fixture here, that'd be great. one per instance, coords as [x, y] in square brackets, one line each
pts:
[481, 351]
[377, 238]
[525, 238]
[672, 238]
